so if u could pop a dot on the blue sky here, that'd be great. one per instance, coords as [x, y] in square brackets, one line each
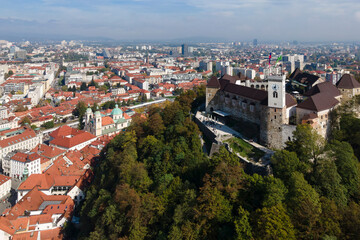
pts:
[234, 20]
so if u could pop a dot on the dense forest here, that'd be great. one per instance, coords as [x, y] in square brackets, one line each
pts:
[154, 182]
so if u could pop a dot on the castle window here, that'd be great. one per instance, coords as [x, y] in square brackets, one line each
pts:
[275, 117]
[251, 108]
[275, 94]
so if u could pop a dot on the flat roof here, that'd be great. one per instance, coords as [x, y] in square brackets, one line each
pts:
[221, 113]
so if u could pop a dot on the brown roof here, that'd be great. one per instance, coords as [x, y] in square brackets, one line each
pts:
[213, 82]
[348, 81]
[290, 100]
[247, 92]
[303, 77]
[324, 87]
[318, 102]
[231, 79]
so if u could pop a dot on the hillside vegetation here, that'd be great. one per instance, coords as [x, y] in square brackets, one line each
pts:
[154, 182]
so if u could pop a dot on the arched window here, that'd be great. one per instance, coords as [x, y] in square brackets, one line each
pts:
[275, 94]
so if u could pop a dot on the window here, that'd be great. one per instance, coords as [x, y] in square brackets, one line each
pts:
[251, 108]
[275, 94]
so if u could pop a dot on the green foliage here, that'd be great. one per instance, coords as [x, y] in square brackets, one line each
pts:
[48, 125]
[307, 143]
[347, 167]
[285, 163]
[25, 121]
[242, 225]
[83, 86]
[79, 111]
[273, 223]
[303, 204]
[154, 182]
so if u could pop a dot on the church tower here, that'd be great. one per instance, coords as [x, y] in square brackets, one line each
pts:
[89, 115]
[275, 115]
[98, 123]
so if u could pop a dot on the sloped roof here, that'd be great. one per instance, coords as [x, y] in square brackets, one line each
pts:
[324, 87]
[348, 81]
[106, 121]
[42, 181]
[251, 93]
[303, 77]
[68, 137]
[289, 100]
[213, 83]
[318, 102]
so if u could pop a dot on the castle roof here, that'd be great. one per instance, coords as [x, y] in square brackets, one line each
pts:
[303, 77]
[213, 82]
[348, 81]
[324, 87]
[318, 102]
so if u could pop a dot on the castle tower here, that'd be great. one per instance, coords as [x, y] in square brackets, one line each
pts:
[274, 117]
[212, 98]
[98, 123]
[276, 91]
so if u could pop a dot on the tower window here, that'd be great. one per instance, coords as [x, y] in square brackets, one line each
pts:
[275, 94]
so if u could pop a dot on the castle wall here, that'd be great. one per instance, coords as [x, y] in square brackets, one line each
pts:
[348, 94]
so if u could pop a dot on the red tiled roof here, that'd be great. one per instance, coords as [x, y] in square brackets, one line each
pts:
[106, 121]
[4, 179]
[42, 181]
[68, 137]
[27, 134]
[24, 157]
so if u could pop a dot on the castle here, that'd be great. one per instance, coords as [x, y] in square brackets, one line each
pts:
[275, 111]
[106, 123]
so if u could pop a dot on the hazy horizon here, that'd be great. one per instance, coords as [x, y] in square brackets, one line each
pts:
[227, 20]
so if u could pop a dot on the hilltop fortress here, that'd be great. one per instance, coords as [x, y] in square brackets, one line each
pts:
[276, 112]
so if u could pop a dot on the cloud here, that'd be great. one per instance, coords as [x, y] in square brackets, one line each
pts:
[304, 20]
[357, 16]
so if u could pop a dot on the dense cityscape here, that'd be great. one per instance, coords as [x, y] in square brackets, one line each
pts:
[194, 140]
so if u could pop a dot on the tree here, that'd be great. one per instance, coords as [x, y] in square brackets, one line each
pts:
[26, 121]
[303, 204]
[83, 86]
[273, 223]
[347, 166]
[242, 225]
[307, 143]
[155, 125]
[329, 220]
[93, 83]
[21, 108]
[285, 163]
[327, 181]
[48, 125]
[350, 222]
[79, 111]
[64, 88]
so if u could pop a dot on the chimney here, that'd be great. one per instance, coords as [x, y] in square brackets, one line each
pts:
[29, 199]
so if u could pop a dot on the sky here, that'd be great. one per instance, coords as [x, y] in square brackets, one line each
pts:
[157, 20]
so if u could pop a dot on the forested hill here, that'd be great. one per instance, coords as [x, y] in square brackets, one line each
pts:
[154, 182]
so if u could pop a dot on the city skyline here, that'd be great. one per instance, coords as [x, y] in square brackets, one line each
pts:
[266, 20]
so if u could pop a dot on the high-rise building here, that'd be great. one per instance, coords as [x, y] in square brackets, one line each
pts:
[185, 50]
[255, 42]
